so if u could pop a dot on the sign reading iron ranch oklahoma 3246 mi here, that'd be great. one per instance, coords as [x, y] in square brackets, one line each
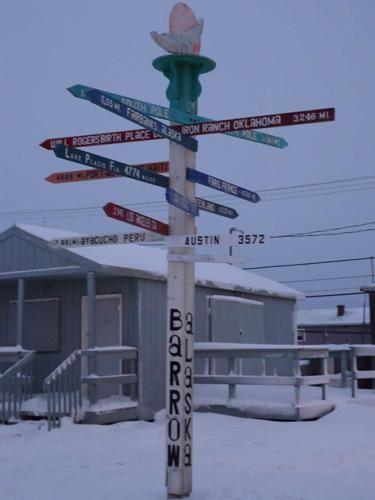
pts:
[209, 127]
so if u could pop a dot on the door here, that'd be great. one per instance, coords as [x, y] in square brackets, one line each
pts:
[108, 313]
[236, 320]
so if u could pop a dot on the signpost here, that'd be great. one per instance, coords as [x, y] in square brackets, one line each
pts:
[179, 201]
[136, 219]
[220, 185]
[178, 116]
[120, 109]
[209, 127]
[182, 66]
[112, 166]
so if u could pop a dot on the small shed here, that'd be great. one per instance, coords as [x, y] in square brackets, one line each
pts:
[50, 299]
[339, 325]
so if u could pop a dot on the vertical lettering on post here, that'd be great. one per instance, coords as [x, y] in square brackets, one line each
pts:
[180, 388]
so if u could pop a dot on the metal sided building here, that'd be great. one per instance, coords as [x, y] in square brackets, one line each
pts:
[58, 301]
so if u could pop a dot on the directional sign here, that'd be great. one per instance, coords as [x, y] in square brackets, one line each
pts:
[181, 202]
[136, 219]
[216, 208]
[120, 109]
[207, 258]
[104, 239]
[262, 121]
[177, 116]
[116, 167]
[208, 127]
[220, 185]
[78, 176]
[203, 240]
[90, 175]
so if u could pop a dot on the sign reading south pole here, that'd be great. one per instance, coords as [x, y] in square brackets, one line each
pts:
[120, 109]
[221, 185]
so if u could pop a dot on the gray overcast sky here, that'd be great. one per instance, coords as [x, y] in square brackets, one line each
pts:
[272, 56]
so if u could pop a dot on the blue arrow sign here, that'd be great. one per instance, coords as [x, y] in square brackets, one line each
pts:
[115, 106]
[174, 115]
[116, 167]
[220, 185]
[179, 201]
[216, 208]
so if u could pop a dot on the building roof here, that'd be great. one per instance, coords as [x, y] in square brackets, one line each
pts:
[152, 262]
[351, 316]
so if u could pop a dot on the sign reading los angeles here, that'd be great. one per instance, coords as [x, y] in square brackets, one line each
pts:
[136, 219]
[209, 127]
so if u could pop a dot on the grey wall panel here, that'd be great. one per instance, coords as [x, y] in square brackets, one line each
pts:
[19, 254]
[152, 296]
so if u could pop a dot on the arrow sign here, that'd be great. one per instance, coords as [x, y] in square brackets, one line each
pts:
[216, 208]
[209, 127]
[178, 116]
[112, 166]
[203, 240]
[104, 239]
[91, 175]
[160, 128]
[136, 219]
[181, 202]
[220, 185]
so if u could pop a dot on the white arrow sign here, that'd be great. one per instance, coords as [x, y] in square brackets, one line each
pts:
[104, 239]
[199, 240]
[207, 258]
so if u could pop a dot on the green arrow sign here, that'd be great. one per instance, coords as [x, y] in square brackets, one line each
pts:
[173, 115]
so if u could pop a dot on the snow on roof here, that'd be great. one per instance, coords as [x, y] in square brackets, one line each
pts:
[352, 316]
[153, 260]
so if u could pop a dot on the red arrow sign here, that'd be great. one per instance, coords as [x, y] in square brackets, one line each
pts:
[136, 219]
[213, 127]
[160, 167]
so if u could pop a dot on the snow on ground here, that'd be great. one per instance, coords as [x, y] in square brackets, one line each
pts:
[234, 459]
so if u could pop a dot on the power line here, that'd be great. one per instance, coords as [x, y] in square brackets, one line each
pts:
[309, 190]
[309, 263]
[329, 279]
[333, 295]
[323, 231]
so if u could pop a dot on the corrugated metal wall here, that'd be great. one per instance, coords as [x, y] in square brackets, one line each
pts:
[18, 253]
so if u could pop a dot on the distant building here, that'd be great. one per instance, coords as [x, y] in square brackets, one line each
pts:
[340, 325]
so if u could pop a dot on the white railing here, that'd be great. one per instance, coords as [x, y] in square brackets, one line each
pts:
[234, 353]
[358, 351]
[64, 385]
[15, 382]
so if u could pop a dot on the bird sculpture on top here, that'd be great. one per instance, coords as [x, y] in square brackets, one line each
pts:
[185, 32]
